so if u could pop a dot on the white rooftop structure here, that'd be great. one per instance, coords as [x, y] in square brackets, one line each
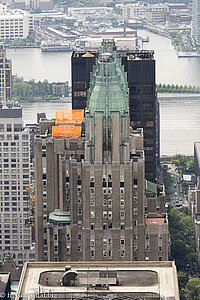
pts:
[144, 279]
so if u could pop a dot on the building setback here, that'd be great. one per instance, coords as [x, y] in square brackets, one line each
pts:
[143, 104]
[93, 202]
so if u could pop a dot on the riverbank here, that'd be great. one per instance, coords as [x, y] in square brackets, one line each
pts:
[57, 100]
[21, 46]
[178, 46]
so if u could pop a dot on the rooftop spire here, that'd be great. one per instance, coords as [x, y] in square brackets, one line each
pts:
[108, 85]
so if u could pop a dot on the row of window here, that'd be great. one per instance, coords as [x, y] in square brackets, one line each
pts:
[13, 176]
[15, 248]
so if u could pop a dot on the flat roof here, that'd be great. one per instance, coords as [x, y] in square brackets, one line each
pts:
[4, 278]
[154, 278]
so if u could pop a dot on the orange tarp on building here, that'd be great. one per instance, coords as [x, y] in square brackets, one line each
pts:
[66, 130]
[70, 116]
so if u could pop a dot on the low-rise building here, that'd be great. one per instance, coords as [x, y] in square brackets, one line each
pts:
[157, 13]
[135, 10]
[99, 280]
[60, 89]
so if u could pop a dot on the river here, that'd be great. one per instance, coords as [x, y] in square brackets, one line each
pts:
[34, 64]
[180, 121]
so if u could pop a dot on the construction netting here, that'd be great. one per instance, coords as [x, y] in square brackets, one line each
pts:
[66, 130]
[70, 116]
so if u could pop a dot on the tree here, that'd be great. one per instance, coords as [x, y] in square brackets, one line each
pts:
[187, 225]
[182, 235]
[180, 161]
[192, 289]
[31, 90]
[182, 279]
[190, 164]
[167, 179]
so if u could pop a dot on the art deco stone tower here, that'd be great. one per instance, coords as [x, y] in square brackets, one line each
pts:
[108, 206]
[90, 188]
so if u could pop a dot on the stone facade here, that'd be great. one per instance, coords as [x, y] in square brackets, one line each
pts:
[90, 190]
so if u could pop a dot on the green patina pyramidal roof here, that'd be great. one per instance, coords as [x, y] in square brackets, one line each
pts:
[59, 218]
[150, 187]
[108, 83]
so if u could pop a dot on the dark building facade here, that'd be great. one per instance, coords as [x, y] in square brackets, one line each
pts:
[143, 104]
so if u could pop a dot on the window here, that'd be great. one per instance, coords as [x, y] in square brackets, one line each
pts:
[122, 215]
[16, 136]
[17, 128]
[122, 226]
[122, 202]
[104, 184]
[105, 253]
[105, 226]
[109, 215]
[24, 136]
[92, 214]
[1, 127]
[92, 201]
[104, 214]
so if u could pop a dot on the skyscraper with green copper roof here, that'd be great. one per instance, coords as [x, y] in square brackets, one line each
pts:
[95, 183]
[108, 98]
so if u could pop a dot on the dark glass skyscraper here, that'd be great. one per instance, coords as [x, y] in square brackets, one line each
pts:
[143, 105]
